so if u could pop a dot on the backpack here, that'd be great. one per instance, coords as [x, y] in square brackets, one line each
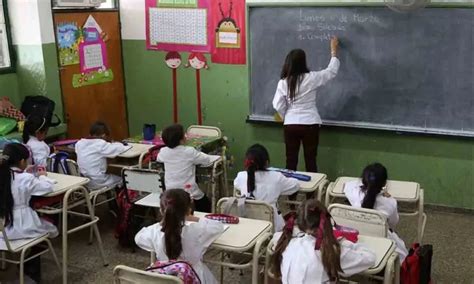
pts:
[416, 268]
[178, 268]
[127, 226]
[41, 106]
[58, 163]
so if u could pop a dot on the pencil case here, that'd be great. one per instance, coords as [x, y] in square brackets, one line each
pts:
[223, 218]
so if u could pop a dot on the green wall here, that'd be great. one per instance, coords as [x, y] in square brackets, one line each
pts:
[442, 165]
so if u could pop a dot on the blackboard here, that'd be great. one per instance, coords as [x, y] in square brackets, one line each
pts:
[403, 71]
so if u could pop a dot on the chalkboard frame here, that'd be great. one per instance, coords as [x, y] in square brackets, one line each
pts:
[259, 119]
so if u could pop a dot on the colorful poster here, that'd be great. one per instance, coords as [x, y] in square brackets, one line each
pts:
[92, 78]
[228, 20]
[68, 36]
[178, 3]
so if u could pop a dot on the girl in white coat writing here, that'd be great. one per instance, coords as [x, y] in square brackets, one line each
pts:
[368, 193]
[92, 154]
[267, 186]
[309, 253]
[180, 235]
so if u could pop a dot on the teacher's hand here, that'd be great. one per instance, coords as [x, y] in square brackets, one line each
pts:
[334, 45]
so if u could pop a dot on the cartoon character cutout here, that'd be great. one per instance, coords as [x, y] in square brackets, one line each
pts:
[173, 59]
[227, 31]
[197, 61]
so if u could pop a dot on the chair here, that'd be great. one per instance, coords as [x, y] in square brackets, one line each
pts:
[128, 275]
[21, 247]
[148, 184]
[254, 209]
[202, 130]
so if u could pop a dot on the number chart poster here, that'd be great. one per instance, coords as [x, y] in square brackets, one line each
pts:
[178, 25]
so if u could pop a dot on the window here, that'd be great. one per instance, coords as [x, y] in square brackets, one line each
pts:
[5, 44]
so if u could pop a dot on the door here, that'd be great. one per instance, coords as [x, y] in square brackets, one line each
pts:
[103, 100]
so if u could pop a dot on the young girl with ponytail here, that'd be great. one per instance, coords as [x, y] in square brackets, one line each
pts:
[307, 251]
[34, 133]
[180, 235]
[368, 193]
[267, 186]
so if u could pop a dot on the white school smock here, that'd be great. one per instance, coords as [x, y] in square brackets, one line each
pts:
[302, 264]
[386, 205]
[26, 222]
[196, 237]
[180, 168]
[269, 185]
[92, 157]
[40, 151]
[303, 110]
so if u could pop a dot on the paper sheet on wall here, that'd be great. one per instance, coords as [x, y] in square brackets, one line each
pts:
[178, 3]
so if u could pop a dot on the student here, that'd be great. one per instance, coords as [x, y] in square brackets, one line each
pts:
[309, 253]
[180, 235]
[92, 154]
[34, 133]
[295, 102]
[258, 183]
[368, 193]
[180, 165]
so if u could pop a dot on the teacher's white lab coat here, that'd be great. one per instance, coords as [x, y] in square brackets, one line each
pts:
[269, 185]
[196, 237]
[40, 151]
[302, 264]
[386, 205]
[26, 222]
[92, 157]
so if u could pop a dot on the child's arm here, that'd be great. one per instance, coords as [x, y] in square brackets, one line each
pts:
[355, 258]
[146, 237]
[199, 158]
[279, 101]
[112, 150]
[39, 186]
[287, 186]
[210, 231]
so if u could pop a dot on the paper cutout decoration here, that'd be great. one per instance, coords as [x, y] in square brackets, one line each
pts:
[92, 78]
[178, 3]
[173, 61]
[198, 61]
[92, 23]
[68, 36]
[227, 32]
[92, 51]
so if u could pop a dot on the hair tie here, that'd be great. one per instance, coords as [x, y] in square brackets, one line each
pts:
[249, 162]
[42, 124]
[169, 202]
[290, 223]
[319, 234]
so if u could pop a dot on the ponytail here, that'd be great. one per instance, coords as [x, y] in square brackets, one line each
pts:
[175, 205]
[330, 248]
[33, 124]
[374, 178]
[256, 159]
[283, 242]
[250, 166]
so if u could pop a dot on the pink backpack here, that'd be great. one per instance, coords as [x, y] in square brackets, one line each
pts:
[178, 268]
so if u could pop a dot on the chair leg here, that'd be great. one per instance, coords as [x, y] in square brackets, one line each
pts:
[22, 266]
[53, 253]
[3, 263]
[91, 230]
[96, 232]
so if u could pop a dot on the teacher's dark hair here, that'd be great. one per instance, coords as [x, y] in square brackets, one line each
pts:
[293, 70]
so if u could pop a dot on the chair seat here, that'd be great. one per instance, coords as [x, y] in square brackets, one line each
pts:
[151, 200]
[17, 245]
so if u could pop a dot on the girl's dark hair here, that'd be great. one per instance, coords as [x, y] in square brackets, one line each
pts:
[293, 71]
[175, 205]
[99, 128]
[374, 178]
[256, 159]
[34, 124]
[309, 217]
[172, 135]
[12, 154]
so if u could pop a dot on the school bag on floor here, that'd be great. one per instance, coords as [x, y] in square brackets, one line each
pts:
[178, 268]
[41, 106]
[416, 268]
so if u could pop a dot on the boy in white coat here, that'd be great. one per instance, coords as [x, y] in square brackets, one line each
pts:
[267, 186]
[180, 165]
[92, 154]
[368, 193]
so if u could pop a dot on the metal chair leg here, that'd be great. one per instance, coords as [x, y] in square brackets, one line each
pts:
[22, 266]
[53, 253]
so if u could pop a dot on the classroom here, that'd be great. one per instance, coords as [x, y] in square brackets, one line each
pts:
[386, 128]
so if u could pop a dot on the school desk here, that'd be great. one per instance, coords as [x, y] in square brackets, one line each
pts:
[248, 234]
[402, 191]
[75, 194]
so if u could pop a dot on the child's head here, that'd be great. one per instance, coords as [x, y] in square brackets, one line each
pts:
[313, 219]
[99, 130]
[374, 179]
[175, 204]
[173, 59]
[256, 159]
[173, 135]
[197, 60]
[14, 155]
[36, 126]
[294, 66]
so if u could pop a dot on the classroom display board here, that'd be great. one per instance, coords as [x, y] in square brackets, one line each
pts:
[408, 72]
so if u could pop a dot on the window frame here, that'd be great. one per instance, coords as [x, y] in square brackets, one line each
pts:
[11, 54]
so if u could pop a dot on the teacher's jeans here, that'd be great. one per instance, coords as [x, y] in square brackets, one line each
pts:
[297, 134]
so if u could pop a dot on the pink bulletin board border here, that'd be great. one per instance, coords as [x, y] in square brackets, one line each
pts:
[202, 4]
[82, 59]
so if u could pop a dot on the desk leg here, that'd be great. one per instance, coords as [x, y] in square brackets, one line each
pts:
[64, 234]
[421, 217]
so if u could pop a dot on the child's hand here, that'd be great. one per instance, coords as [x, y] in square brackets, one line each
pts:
[41, 171]
[192, 218]
[30, 169]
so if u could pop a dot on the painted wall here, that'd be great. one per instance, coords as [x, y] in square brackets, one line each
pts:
[442, 165]
[9, 88]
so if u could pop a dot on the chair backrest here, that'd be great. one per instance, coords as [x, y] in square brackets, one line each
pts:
[4, 235]
[142, 180]
[203, 130]
[128, 275]
[254, 209]
[73, 168]
[368, 221]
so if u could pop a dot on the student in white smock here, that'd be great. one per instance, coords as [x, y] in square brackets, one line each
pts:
[34, 133]
[180, 235]
[368, 193]
[267, 186]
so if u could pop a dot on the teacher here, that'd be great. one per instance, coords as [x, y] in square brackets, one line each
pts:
[295, 102]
